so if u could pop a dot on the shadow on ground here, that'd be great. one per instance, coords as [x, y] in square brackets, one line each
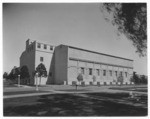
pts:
[94, 104]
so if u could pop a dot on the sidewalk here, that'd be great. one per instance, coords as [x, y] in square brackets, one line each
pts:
[61, 90]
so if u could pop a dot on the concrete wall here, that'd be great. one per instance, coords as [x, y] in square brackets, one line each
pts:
[28, 58]
[61, 58]
[82, 59]
[83, 54]
[47, 55]
[31, 58]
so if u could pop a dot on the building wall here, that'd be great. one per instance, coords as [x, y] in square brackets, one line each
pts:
[80, 60]
[97, 57]
[31, 57]
[64, 63]
[61, 64]
[28, 58]
[47, 56]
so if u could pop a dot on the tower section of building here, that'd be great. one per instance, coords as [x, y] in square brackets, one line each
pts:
[34, 54]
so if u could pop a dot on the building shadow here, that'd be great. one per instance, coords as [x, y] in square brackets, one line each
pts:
[50, 78]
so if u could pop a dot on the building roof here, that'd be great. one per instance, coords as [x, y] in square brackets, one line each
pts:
[97, 52]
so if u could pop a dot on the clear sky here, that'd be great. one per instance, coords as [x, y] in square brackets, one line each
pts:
[77, 24]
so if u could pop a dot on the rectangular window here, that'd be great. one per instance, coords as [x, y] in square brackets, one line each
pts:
[110, 72]
[90, 71]
[126, 74]
[41, 59]
[121, 73]
[51, 47]
[82, 70]
[45, 46]
[116, 73]
[98, 72]
[39, 45]
[104, 72]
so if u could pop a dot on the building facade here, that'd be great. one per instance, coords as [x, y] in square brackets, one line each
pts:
[34, 54]
[65, 63]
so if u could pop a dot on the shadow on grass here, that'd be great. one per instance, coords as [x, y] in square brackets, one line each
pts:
[72, 105]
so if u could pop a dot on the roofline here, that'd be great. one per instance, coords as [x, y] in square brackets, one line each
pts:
[97, 52]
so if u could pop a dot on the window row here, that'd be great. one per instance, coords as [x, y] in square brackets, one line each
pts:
[104, 72]
[45, 46]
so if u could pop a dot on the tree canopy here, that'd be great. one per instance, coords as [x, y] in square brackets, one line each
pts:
[5, 75]
[24, 72]
[80, 77]
[130, 20]
[14, 73]
[41, 70]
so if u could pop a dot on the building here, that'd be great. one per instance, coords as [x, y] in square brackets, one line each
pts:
[36, 53]
[64, 63]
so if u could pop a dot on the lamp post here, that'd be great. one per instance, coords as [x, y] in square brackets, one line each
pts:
[36, 76]
[18, 80]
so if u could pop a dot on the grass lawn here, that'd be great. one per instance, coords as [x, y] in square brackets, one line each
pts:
[87, 104]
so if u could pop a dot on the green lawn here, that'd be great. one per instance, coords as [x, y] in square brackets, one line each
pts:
[89, 104]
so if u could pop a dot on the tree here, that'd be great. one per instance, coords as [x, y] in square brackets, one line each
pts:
[135, 78]
[5, 75]
[120, 79]
[94, 78]
[41, 70]
[14, 73]
[80, 77]
[130, 20]
[24, 72]
[144, 79]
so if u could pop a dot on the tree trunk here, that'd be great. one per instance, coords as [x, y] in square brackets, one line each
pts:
[40, 81]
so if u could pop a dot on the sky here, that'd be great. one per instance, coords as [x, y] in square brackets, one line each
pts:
[77, 24]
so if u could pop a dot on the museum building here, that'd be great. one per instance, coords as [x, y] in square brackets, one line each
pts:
[64, 63]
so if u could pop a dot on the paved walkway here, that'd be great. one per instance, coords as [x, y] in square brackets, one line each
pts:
[59, 90]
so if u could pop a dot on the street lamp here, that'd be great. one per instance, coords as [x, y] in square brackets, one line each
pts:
[18, 80]
[36, 76]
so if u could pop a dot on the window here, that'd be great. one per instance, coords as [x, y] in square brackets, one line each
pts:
[51, 47]
[82, 70]
[126, 74]
[104, 72]
[110, 72]
[41, 59]
[98, 72]
[121, 73]
[39, 45]
[45, 46]
[90, 71]
[116, 73]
